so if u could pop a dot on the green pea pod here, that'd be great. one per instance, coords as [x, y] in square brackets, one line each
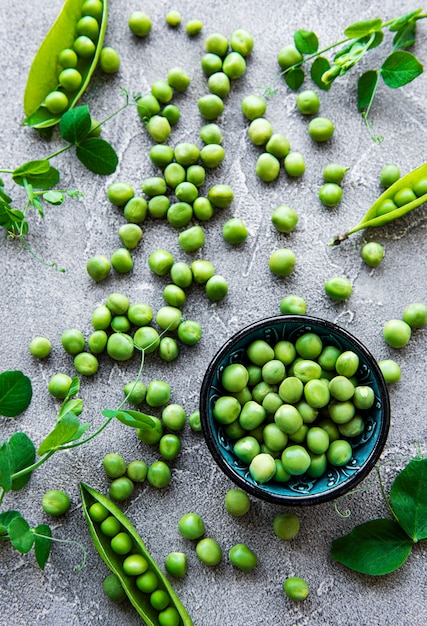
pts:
[45, 69]
[139, 599]
[371, 218]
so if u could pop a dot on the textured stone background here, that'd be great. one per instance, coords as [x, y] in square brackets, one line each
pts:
[37, 300]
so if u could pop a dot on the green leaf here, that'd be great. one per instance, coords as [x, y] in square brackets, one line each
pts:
[75, 124]
[3, 195]
[5, 467]
[377, 547]
[318, 68]
[37, 167]
[42, 545]
[54, 197]
[366, 87]
[402, 21]
[80, 431]
[15, 393]
[134, 419]
[75, 405]
[43, 180]
[408, 497]
[306, 41]
[22, 454]
[97, 155]
[365, 27]
[400, 68]
[5, 518]
[295, 78]
[405, 36]
[21, 535]
[64, 431]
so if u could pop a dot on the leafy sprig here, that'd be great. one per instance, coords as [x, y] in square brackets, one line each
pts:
[398, 69]
[381, 546]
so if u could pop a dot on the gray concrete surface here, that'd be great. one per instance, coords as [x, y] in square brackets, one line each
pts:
[37, 300]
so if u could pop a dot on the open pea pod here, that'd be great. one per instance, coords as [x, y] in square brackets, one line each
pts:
[372, 218]
[45, 68]
[139, 599]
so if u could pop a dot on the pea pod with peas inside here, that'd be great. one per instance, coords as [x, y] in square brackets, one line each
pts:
[63, 66]
[405, 195]
[102, 515]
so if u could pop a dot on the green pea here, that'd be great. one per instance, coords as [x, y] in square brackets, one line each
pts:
[147, 582]
[372, 253]
[389, 174]
[158, 393]
[67, 58]
[186, 154]
[316, 393]
[308, 102]
[172, 114]
[217, 44]
[241, 41]
[347, 363]
[260, 131]
[219, 84]
[181, 274]
[339, 452]
[109, 60]
[352, 428]
[295, 460]
[296, 588]
[242, 557]
[191, 526]
[168, 349]
[293, 305]
[189, 332]
[159, 128]
[202, 270]
[282, 262]
[159, 474]
[226, 409]
[178, 79]
[147, 338]
[110, 526]
[173, 18]
[160, 261]
[342, 388]
[161, 155]
[135, 391]
[221, 196]
[135, 210]
[210, 106]
[234, 65]
[98, 512]
[113, 588]
[234, 377]
[121, 489]
[288, 419]
[114, 465]
[73, 341]
[364, 397]
[186, 192]
[40, 347]
[70, 79]
[330, 194]
[212, 155]
[234, 231]
[286, 526]
[193, 27]
[253, 107]
[397, 333]
[134, 565]
[287, 56]
[386, 206]
[140, 314]
[216, 287]
[262, 468]
[338, 288]
[98, 267]
[267, 167]
[284, 219]
[174, 417]
[237, 502]
[130, 235]
[278, 145]
[120, 193]
[415, 314]
[341, 412]
[158, 206]
[211, 63]
[121, 543]
[259, 352]
[86, 363]
[152, 435]
[209, 551]
[121, 260]
[56, 502]
[390, 370]
[334, 173]
[154, 186]
[194, 422]
[162, 91]
[88, 25]
[251, 415]
[101, 317]
[284, 351]
[139, 23]
[196, 175]
[176, 564]
[420, 187]
[56, 102]
[84, 47]
[274, 438]
[294, 164]
[273, 372]
[404, 196]
[147, 106]
[120, 346]
[291, 390]
[309, 345]
[169, 446]
[321, 129]
[168, 317]
[306, 369]
[137, 471]
[174, 296]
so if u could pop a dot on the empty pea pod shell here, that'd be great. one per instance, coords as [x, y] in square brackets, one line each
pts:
[372, 218]
[45, 68]
[139, 599]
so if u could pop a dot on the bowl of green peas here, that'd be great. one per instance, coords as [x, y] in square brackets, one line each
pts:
[295, 410]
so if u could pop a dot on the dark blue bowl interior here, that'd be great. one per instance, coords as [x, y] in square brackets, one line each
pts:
[300, 490]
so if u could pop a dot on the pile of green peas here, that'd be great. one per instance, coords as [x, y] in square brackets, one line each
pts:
[75, 60]
[330, 193]
[293, 408]
[398, 332]
[124, 476]
[134, 565]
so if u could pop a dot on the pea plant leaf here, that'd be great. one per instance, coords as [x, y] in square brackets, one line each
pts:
[75, 124]
[134, 419]
[405, 36]
[65, 430]
[20, 534]
[5, 467]
[5, 518]
[15, 393]
[54, 197]
[365, 27]
[376, 547]
[306, 41]
[366, 88]
[42, 544]
[400, 68]
[318, 68]
[408, 498]
[39, 179]
[295, 78]
[22, 454]
[404, 20]
[97, 155]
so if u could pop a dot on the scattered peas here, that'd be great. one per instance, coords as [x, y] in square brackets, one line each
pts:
[176, 564]
[372, 253]
[40, 347]
[334, 173]
[237, 502]
[173, 18]
[114, 465]
[321, 129]
[286, 525]
[296, 588]
[253, 107]
[415, 315]
[209, 551]
[338, 288]
[389, 174]
[191, 526]
[267, 167]
[330, 194]
[284, 219]
[193, 27]
[139, 23]
[308, 102]
[287, 56]
[121, 489]
[216, 287]
[109, 60]
[242, 557]
[56, 502]
[390, 370]
[397, 333]
[294, 164]
[234, 231]
[282, 262]
[59, 385]
[293, 305]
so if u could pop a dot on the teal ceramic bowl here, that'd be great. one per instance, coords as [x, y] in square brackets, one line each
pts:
[298, 490]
